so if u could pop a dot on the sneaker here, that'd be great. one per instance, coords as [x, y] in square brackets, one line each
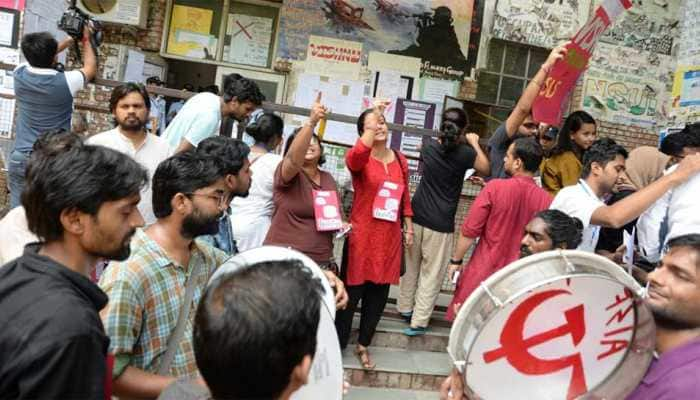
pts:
[414, 331]
[406, 316]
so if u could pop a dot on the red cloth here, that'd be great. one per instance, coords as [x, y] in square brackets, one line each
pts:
[497, 217]
[375, 245]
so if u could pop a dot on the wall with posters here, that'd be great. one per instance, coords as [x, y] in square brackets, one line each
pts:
[437, 31]
[630, 77]
[542, 23]
[649, 25]
[628, 86]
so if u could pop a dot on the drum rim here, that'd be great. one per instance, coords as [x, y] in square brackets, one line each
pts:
[639, 343]
[339, 391]
[277, 253]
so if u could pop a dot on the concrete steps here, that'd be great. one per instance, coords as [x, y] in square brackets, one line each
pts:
[410, 368]
[398, 369]
[389, 334]
[364, 393]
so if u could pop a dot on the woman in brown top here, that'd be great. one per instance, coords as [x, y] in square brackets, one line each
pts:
[296, 178]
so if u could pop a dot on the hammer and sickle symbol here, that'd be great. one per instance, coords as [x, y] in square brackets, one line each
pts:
[515, 348]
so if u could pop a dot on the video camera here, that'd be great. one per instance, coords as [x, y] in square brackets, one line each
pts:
[74, 21]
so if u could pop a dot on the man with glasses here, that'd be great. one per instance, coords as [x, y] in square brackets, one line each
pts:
[520, 123]
[152, 294]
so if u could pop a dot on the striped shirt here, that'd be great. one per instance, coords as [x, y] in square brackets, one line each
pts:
[145, 297]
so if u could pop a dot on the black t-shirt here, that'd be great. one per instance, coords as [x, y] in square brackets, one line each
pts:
[435, 201]
[610, 238]
[52, 342]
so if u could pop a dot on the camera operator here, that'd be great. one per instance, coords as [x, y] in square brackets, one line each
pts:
[44, 96]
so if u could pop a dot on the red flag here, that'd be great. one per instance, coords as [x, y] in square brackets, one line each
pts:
[547, 107]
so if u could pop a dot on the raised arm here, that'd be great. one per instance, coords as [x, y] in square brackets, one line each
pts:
[632, 206]
[524, 106]
[294, 160]
[481, 163]
[89, 57]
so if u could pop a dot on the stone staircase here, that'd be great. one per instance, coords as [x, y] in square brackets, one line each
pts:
[408, 368]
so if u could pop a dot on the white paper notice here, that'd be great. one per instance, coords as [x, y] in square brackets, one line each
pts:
[342, 96]
[249, 39]
[628, 241]
[435, 90]
[134, 66]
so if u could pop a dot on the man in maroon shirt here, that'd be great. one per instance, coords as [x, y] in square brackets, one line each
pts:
[498, 217]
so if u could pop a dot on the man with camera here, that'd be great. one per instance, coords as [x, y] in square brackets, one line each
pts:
[44, 96]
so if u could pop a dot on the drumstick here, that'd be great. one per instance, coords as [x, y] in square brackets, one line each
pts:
[322, 123]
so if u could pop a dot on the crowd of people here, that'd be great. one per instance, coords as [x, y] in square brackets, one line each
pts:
[111, 242]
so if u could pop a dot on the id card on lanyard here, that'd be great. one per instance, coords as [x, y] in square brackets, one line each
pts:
[387, 201]
[589, 243]
[327, 210]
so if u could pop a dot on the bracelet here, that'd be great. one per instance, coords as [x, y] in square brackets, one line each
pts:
[453, 261]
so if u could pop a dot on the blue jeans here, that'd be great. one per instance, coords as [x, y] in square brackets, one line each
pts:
[15, 173]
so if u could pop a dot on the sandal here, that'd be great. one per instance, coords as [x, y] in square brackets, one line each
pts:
[363, 356]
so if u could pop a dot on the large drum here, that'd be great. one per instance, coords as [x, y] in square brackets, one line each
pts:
[556, 325]
[326, 376]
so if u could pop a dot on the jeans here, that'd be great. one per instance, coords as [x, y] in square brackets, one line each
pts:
[15, 173]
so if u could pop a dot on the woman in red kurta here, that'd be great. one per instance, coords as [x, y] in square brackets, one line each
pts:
[375, 242]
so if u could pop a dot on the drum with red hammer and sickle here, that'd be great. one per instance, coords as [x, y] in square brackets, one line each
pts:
[563, 324]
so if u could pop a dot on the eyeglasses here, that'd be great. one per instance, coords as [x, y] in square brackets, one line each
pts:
[220, 198]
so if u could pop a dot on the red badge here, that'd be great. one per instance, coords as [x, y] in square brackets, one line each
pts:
[327, 211]
[387, 201]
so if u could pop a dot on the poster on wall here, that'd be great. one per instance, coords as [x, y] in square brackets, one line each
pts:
[418, 114]
[690, 91]
[689, 46]
[539, 23]
[248, 40]
[627, 86]
[341, 96]
[189, 34]
[334, 57]
[436, 31]
[648, 25]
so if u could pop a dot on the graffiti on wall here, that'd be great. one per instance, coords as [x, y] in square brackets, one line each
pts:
[689, 45]
[543, 23]
[436, 31]
[648, 25]
[627, 86]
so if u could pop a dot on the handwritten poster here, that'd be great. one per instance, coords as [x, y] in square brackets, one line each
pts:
[248, 40]
[189, 35]
[334, 57]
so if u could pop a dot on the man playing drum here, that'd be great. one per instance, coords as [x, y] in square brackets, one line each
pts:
[674, 299]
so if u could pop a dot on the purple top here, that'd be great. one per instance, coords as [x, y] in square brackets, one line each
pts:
[675, 375]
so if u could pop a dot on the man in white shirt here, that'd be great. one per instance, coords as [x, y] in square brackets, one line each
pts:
[130, 106]
[201, 115]
[677, 212]
[603, 164]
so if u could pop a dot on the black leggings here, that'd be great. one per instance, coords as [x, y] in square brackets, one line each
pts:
[374, 299]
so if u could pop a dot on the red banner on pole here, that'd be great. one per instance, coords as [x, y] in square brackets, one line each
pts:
[547, 107]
